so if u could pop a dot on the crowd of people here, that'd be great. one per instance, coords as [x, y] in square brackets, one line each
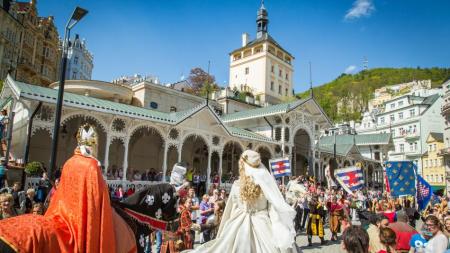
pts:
[387, 224]
[14, 201]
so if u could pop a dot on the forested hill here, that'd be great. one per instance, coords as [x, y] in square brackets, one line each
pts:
[346, 97]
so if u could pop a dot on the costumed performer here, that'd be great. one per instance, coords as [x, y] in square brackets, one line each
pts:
[336, 214]
[256, 218]
[79, 217]
[315, 221]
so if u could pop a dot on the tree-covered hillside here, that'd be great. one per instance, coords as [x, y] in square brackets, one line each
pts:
[344, 98]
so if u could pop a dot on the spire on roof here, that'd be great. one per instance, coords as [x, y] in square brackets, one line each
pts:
[262, 21]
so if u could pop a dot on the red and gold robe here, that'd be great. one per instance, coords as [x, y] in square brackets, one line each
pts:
[79, 219]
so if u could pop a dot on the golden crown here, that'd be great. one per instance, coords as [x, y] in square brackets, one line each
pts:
[86, 136]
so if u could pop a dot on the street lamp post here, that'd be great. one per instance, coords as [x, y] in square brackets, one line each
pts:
[77, 15]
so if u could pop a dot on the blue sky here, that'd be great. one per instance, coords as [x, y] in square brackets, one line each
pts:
[167, 38]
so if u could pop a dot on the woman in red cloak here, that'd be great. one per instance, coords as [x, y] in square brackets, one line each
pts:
[79, 218]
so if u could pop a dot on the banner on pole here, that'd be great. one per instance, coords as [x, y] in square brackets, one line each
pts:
[350, 178]
[280, 167]
[401, 177]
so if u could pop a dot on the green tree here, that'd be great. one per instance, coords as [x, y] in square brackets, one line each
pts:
[358, 88]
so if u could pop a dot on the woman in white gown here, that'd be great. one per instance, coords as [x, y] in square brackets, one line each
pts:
[256, 218]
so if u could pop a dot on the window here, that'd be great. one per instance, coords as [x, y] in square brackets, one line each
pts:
[392, 117]
[392, 105]
[74, 75]
[415, 145]
[279, 89]
[287, 76]
[271, 85]
[434, 147]
[411, 147]
[402, 147]
[75, 60]
[280, 73]
[426, 163]
[272, 69]
[173, 109]
[435, 163]
[400, 115]
[442, 178]
[412, 112]
[286, 91]
[400, 103]
[381, 120]
[247, 70]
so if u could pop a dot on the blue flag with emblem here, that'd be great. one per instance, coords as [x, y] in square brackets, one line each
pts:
[401, 177]
[424, 193]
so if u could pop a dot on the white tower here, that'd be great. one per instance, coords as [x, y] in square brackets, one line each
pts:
[261, 66]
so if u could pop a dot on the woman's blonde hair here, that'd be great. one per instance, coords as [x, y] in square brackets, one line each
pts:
[249, 190]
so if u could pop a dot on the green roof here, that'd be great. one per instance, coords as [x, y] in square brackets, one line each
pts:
[48, 95]
[359, 139]
[239, 132]
[74, 100]
[262, 112]
[342, 149]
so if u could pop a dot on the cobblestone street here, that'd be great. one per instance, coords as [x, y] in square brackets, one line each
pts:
[330, 247]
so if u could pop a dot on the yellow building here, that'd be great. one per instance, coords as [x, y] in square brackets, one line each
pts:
[40, 54]
[433, 161]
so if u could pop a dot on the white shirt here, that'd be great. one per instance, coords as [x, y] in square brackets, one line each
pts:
[437, 244]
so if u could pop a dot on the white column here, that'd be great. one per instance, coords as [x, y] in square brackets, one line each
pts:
[125, 159]
[166, 148]
[220, 168]
[208, 170]
[179, 152]
[106, 161]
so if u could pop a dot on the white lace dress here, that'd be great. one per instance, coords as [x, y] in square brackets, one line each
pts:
[250, 228]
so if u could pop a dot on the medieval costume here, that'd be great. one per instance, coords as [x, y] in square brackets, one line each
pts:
[336, 214]
[315, 221]
[79, 217]
[256, 218]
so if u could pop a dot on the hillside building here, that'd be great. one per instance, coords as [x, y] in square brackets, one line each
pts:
[409, 119]
[433, 162]
[445, 151]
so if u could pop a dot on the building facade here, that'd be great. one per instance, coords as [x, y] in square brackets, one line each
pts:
[445, 152]
[80, 61]
[433, 160]
[261, 66]
[10, 33]
[409, 119]
[39, 54]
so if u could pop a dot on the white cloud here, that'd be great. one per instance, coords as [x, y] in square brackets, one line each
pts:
[360, 8]
[350, 69]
